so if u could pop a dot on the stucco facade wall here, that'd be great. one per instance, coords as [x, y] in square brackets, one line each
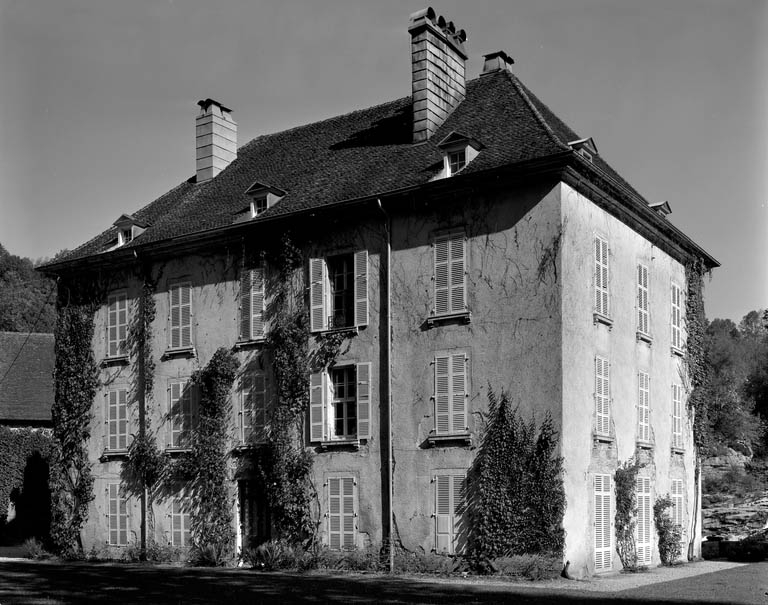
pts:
[511, 340]
[584, 338]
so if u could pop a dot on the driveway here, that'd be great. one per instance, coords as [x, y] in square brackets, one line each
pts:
[50, 583]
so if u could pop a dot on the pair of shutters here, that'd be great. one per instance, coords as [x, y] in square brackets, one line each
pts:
[602, 396]
[181, 315]
[342, 513]
[320, 292]
[449, 276]
[644, 407]
[180, 523]
[602, 544]
[677, 415]
[117, 323]
[644, 520]
[677, 502]
[451, 394]
[252, 303]
[181, 413]
[450, 492]
[253, 407]
[117, 516]
[601, 277]
[642, 299]
[319, 401]
[117, 420]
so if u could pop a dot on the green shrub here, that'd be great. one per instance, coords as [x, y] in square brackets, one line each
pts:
[532, 567]
[33, 549]
[210, 555]
[427, 563]
[670, 535]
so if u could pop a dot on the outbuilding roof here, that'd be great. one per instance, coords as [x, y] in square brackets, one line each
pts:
[26, 378]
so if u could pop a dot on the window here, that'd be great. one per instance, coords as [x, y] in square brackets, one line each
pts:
[601, 277]
[677, 502]
[259, 205]
[450, 275]
[117, 516]
[677, 416]
[677, 318]
[252, 302]
[450, 491]
[602, 495]
[253, 407]
[642, 300]
[181, 523]
[451, 394]
[117, 420]
[339, 291]
[340, 403]
[342, 513]
[643, 408]
[456, 161]
[181, 413]
[125, 236]
[181, 315]
[602, 396]
[117, 323]
[644, 520]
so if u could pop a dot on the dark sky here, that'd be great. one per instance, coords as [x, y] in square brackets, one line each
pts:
[98, 100]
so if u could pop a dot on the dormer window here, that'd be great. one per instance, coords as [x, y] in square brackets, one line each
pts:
[458, 151]
[128, 229]
[263, 197]
[585, 148]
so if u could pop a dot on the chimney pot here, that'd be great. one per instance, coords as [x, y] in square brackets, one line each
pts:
[498, 61]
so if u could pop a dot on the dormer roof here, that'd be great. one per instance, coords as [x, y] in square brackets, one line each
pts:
[454, 139]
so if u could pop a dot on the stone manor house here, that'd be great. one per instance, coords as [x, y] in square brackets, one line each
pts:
[461, 236]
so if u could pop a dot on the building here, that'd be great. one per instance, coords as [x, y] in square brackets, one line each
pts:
[26, 379]
[459, 237]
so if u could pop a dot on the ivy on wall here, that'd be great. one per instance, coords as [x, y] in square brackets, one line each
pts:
[17, 449]
[670, 535]
[75, 383]
[695, 353]
[516, 497]
[625, 520]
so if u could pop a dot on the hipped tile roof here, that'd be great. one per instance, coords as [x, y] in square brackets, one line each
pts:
[26, 378]
[362, 154]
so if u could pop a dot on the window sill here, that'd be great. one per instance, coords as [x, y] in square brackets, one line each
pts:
[677, 352]
[171, 451]
[113, 454]
[188, 352]
[118, 360]
[455, 438]
[353, 443]
[464, 317]
[644, 445]
[599, 318]
[602, 438]
[646, 338]
[249, 344]
[352, 330]
[678, 450]
[243, 448]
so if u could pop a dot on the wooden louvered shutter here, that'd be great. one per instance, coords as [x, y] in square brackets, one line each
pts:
[341, 513]
[318, 314]
[122, 419]
[361, 288]
[602, 545]
[259, 406]
[317, 406]
[257, 303]
[175, 317]
[441, 276]
[246, 407]
[602, 396]
[601, 277]
[112, 419]
[245, 305]
[363, 400]
[643, 408]
[449, 500]
[677, 416]
[458, 273]
[442, 395]
[643, 528]
[642, 299]
[458, 393]
[186, 315]
[677, 502]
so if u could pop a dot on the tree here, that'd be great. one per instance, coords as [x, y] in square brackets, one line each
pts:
[26, 296]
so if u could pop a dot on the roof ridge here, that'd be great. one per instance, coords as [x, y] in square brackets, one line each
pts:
[537, 114]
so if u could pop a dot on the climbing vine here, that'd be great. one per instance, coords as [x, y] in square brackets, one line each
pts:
[626, 512]
[75, 382]
[206, 464]
[516, 495]
[18, 450]
[695, 354]
[670, 534]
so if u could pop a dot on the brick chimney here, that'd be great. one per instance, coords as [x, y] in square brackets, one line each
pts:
[438, 61]
[216, 139]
